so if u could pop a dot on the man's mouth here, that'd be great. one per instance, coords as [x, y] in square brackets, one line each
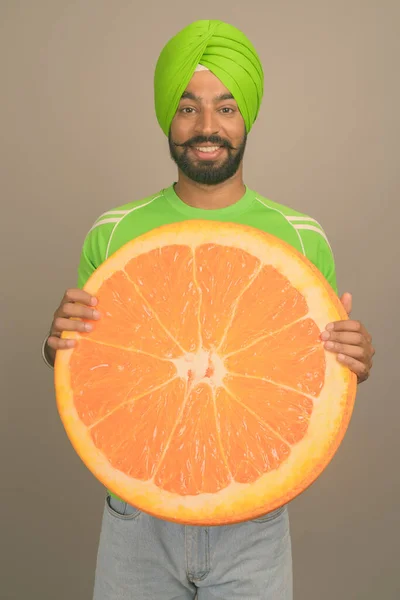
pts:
[207, 148]
[207, 152]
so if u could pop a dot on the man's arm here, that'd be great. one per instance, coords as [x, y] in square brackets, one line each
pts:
[70, 305]
[349, 339]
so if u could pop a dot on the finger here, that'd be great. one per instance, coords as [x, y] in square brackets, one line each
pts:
[351, 351]
[77, 310]
[348, 325]
[61, 324]
[347, 301]
[359, 368]
[344, 337]
[77, 295]
[60, 344]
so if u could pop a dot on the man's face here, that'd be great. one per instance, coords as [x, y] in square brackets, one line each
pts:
[207, 138]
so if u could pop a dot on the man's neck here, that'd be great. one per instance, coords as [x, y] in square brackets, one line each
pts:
[210, 197]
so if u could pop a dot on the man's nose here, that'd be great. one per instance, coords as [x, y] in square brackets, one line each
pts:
[207, 122]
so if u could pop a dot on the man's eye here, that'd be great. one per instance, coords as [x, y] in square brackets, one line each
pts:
[187, 110]
[227, 110]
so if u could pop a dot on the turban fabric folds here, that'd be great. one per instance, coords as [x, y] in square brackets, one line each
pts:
[225, 51]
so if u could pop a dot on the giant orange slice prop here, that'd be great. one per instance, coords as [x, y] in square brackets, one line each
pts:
[204, 394]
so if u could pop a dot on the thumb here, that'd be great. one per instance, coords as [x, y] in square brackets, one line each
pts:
[347, 301]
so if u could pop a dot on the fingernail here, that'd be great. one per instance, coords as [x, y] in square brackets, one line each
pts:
[70, 343]
[96, 314]
[329, 345]
[330, 326]
[88, 327]
[325, 336]
[341, 356]
[94, 301]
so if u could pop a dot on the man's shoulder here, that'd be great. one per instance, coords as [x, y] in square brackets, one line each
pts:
[114, 216]
[312, 237]
[109, 232]
[108, 227]
[306, 227]
[285, 210]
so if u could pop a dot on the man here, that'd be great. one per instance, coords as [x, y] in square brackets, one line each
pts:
[208, 91]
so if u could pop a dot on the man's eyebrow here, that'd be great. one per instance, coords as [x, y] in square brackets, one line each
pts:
[190, 96]
[220, 98]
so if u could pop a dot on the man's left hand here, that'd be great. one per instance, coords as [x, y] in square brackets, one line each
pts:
[351, 341]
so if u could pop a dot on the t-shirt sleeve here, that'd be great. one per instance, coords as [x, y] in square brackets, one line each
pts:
[319, 252]
[86, 267]
[326, 264]
[93, 252]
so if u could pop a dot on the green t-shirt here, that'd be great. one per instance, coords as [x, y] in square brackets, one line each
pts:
[117, 227]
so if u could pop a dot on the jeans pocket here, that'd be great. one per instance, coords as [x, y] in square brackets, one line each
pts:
[121, 510]
[271, 516]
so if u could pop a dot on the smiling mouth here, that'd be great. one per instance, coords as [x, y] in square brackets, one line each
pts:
[207, 149]
[207, 152]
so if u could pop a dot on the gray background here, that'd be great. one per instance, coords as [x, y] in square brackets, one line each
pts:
[79, 136]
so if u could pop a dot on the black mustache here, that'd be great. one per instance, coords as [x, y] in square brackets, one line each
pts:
[213, 139]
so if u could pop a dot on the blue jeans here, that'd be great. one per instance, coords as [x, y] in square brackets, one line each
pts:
[144, 558]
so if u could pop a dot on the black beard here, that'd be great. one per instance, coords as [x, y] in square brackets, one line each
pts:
[206, 171]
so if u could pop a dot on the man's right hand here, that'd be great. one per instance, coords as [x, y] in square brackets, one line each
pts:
[75, 304]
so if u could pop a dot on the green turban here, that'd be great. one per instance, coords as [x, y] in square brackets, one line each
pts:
[225, 51]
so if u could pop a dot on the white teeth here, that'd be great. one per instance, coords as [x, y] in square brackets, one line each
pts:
[208, 149]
